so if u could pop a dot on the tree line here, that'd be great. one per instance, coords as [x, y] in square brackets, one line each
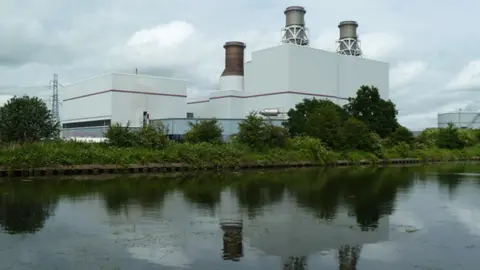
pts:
[365, 123]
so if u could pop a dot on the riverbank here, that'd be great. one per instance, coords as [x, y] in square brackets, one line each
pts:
[98, 169]
[74, 158]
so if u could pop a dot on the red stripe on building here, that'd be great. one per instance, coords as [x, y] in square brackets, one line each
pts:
[125, 91]
[269, 94]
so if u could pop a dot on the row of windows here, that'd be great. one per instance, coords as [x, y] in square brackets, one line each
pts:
[96, 123]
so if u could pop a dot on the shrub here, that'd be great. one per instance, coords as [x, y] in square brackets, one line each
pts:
[402, 134]
[449, 138]
[313, 148]
[258, 135]
[204, 131]
[468, 137]
[121, 136]
[153, 136]
[428, 137]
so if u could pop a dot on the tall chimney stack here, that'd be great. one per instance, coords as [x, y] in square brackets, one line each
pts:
[232, 75]
[348, 43]
[295, 31]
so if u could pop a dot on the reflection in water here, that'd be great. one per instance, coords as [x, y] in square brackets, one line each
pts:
[24, 211]
[348, 257]
[194, 221]
[232, 240]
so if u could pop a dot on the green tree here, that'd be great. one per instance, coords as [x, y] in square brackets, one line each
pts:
[251, 131]
[325, 123]
[257, 134]
[402, 134]
[449, 138]
[27, 119]
[356, 136]
[297, 123]
[204, 131]
[379, 115]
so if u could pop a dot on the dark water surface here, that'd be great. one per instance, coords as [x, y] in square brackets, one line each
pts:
[390, 218]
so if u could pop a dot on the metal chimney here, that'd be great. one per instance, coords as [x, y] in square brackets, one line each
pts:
[348, 43]
[295, 31]
[232, 75]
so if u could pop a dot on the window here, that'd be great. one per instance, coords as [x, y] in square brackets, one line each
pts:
[96, 123]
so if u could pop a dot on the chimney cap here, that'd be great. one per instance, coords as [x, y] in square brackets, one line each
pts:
[342, 23]
[291, 8]
[234, 43]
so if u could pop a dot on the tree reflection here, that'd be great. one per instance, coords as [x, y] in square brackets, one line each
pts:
[318, 191]
[25, 210]
[204, 195]
[259, 191]
[148, 193]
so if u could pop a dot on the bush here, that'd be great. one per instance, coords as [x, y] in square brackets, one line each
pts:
[152, 136]
[468, 137]
[121, 136]
[428, 137]
[204, 131]
[402, 135]
[449, 138]
[259, 135]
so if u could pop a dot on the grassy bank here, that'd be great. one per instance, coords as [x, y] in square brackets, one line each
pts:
[53, 154]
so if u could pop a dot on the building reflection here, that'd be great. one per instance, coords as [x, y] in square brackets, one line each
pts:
[232, 240]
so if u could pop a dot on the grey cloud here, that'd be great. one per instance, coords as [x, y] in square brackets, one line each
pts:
[73, 38]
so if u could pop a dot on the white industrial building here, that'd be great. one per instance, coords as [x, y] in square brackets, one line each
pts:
[275, 80]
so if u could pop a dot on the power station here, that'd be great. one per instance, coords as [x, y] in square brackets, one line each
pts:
[271, 83]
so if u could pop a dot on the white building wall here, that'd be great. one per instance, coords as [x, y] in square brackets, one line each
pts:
[357, 71]
[459, 119]
[95, 107]
[199, 106]
[79, 102]
[123, 98]
[268, 71]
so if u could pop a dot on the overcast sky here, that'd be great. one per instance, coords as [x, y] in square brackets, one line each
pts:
[431, 45]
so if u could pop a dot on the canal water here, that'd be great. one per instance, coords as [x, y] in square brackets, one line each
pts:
[350, 218]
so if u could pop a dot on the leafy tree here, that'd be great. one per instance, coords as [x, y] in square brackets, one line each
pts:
[204, 131]
[251, 131]
[297, 123]
[379, 115]
[356, 136]
[428, 137]
[257, 134]
[324, 123]
[402, 134]
[449, 138]
[27, 119]
[468, 137]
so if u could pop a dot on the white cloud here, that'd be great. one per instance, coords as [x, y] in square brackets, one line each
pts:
[468, 77]
[405, 73]
[380, 46]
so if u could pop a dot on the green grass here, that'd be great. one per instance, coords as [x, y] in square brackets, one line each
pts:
[74, 153]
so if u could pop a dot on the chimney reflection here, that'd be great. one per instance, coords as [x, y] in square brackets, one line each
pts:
[232, 240]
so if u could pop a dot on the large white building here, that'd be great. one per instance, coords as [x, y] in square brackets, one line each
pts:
[275, 80]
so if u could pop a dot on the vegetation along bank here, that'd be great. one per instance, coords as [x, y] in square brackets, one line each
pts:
[317, 132]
